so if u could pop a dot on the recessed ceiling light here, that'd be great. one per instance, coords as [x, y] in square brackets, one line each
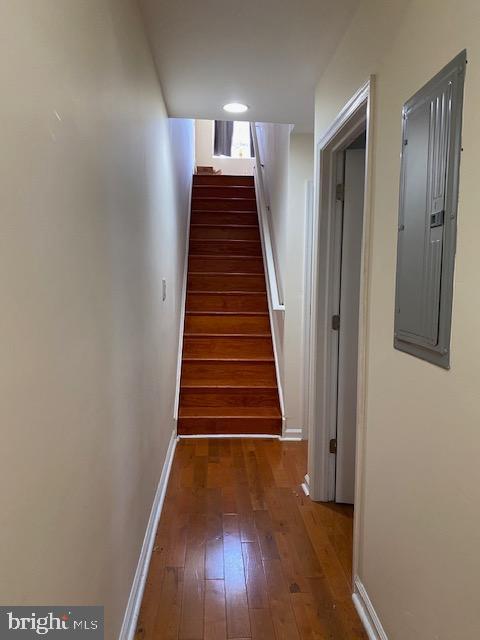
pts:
[235, 107]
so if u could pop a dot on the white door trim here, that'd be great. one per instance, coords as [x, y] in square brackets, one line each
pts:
[307, 302]
[349, 123]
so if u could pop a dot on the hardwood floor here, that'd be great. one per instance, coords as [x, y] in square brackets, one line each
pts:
[240, 552]
[227, 351]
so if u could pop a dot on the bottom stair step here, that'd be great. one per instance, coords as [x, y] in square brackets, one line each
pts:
[229, 425]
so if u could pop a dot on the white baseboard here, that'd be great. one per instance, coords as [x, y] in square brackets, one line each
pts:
[290, 433]
[367, 613]
[306, 485]
[127, 631]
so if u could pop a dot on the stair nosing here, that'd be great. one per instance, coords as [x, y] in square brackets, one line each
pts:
[227, 313]
[224, 211]
[213, 387]
[254, 359]
[223, 273]
[227, 293]
[224, 417]
[210, 225]
[225, 240]
[223, 186]
[215, 198]
[227, 335]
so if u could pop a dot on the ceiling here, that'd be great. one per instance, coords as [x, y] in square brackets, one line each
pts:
[268, 54]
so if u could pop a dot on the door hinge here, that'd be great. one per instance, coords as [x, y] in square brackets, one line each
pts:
[340, 192]
[336, 322]
[333, 445]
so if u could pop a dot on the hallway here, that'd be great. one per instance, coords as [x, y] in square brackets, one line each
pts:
[240, 552]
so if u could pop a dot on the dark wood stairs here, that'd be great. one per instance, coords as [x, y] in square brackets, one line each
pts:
[228, 381]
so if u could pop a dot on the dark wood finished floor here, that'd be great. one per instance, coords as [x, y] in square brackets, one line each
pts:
[240, 552]
[228, 382]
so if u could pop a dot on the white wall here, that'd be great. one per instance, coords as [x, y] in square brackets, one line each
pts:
[94, 185]
[288, 164]
[274, 144]
[204, 152]
[300, 170]
[420, 524]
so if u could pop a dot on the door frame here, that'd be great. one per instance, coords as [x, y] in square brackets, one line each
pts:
[355, 117]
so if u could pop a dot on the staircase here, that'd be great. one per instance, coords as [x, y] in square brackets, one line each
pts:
[228, 382]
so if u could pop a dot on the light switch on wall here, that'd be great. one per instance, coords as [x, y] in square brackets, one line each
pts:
[164, 289]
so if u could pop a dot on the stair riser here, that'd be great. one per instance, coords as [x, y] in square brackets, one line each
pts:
[218, 191]
[225, 265]
[228, 373]
[200, 426]
[221, 180]
[227, 324]
[223, 204]
[224, 217]
[235, 302]
[225, 247]
[229, 398]
[242, 347]
[228, 282]
[224, 233]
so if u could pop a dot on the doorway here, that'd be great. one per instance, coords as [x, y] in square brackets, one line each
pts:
[341, 239]
[350, 196]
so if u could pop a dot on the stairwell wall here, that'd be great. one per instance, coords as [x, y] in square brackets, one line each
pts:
[300, 171]
[95, 184]
[288, 165]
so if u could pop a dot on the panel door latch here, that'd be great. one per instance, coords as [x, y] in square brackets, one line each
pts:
[336, 322]
[437, 219]
[333, 445]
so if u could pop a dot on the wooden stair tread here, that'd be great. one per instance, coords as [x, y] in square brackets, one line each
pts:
[224, 186]
[230, 412]
[195, 197]
[244, 274]
[233, 359]
[237, 211]
[227, 348]
[227, 301]
[226, 293]
[232, 373]
[226, 335]
[208, 256]
[226, 387]
[226, 313]
[225, 217]
[212, 225]
[207, 388]
[237, 178]
[235, 240]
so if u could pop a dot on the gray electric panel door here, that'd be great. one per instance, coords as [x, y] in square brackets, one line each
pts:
[431, 147]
